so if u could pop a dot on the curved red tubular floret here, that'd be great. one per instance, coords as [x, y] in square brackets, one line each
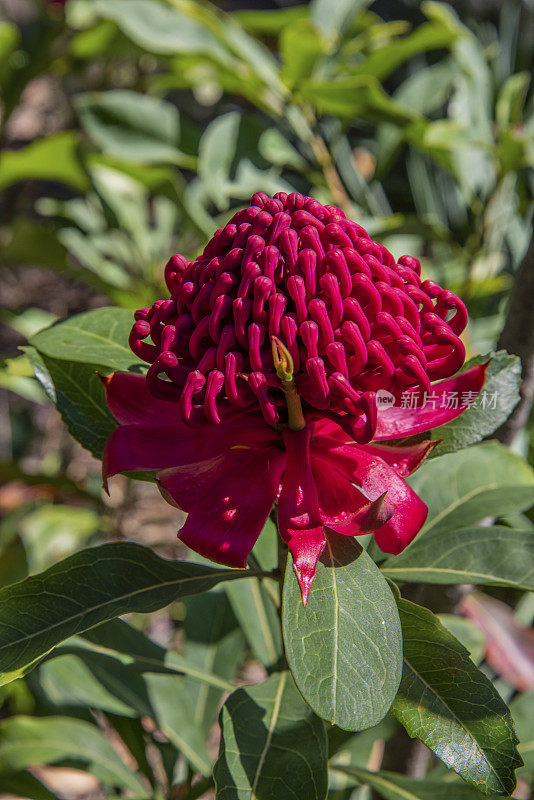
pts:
[353, 319]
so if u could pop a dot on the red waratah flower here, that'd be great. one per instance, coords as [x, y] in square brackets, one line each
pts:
[266, 362]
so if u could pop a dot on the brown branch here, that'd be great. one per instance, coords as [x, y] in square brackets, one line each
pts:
[331, 175]
[517, 337]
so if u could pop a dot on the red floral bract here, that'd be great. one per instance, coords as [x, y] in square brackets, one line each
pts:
[210, 416]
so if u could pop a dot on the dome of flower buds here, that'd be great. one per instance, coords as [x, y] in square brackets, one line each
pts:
[353, 319]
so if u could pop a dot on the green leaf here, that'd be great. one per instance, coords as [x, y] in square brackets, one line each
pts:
[272, 745]
[23, 784]
[384, 60]
[25, 741]
[132, 648]
[333, 18]
[89, 680]
[53, 532]
[265, 551]
[52, 158]
[467, 633]
[356, 750]
[173, 712]
[491, 556]
[231, 163]
[12, 380]
[97, 337]
[95, 41]
[392, 786]
[82, 676]
[271, 22]
[13, 563]
[447, 703]
[133, 126]
[424, 91]
[511, 100]
[498, 398]
[522, 708]
[78, 393]
[36, 243]
[213, 643]
[300, 47]
[257, 614]
[94, 342]
[358, 96]
[461, 489]
[275, 148]
[86, 589]
[160, 29]
[344, 648]
[9, 39]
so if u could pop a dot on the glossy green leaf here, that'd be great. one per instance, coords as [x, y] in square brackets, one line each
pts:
[467, 633]
[344, 648]
[78, 393]
[213, 643]
[272, 745]
[497, 400]
[461, 489]
[133, 126]
[255, 609]
[25, 741]
[496, 555]
[70, 356]
[392, 786]
[97, 337]
[52, 158]
[86, 589]
[447, 703]
[358, 96]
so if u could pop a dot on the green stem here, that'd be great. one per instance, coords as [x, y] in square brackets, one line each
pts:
[295, 416]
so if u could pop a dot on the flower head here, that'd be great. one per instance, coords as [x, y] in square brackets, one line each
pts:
[265, 365]
[288, 268]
